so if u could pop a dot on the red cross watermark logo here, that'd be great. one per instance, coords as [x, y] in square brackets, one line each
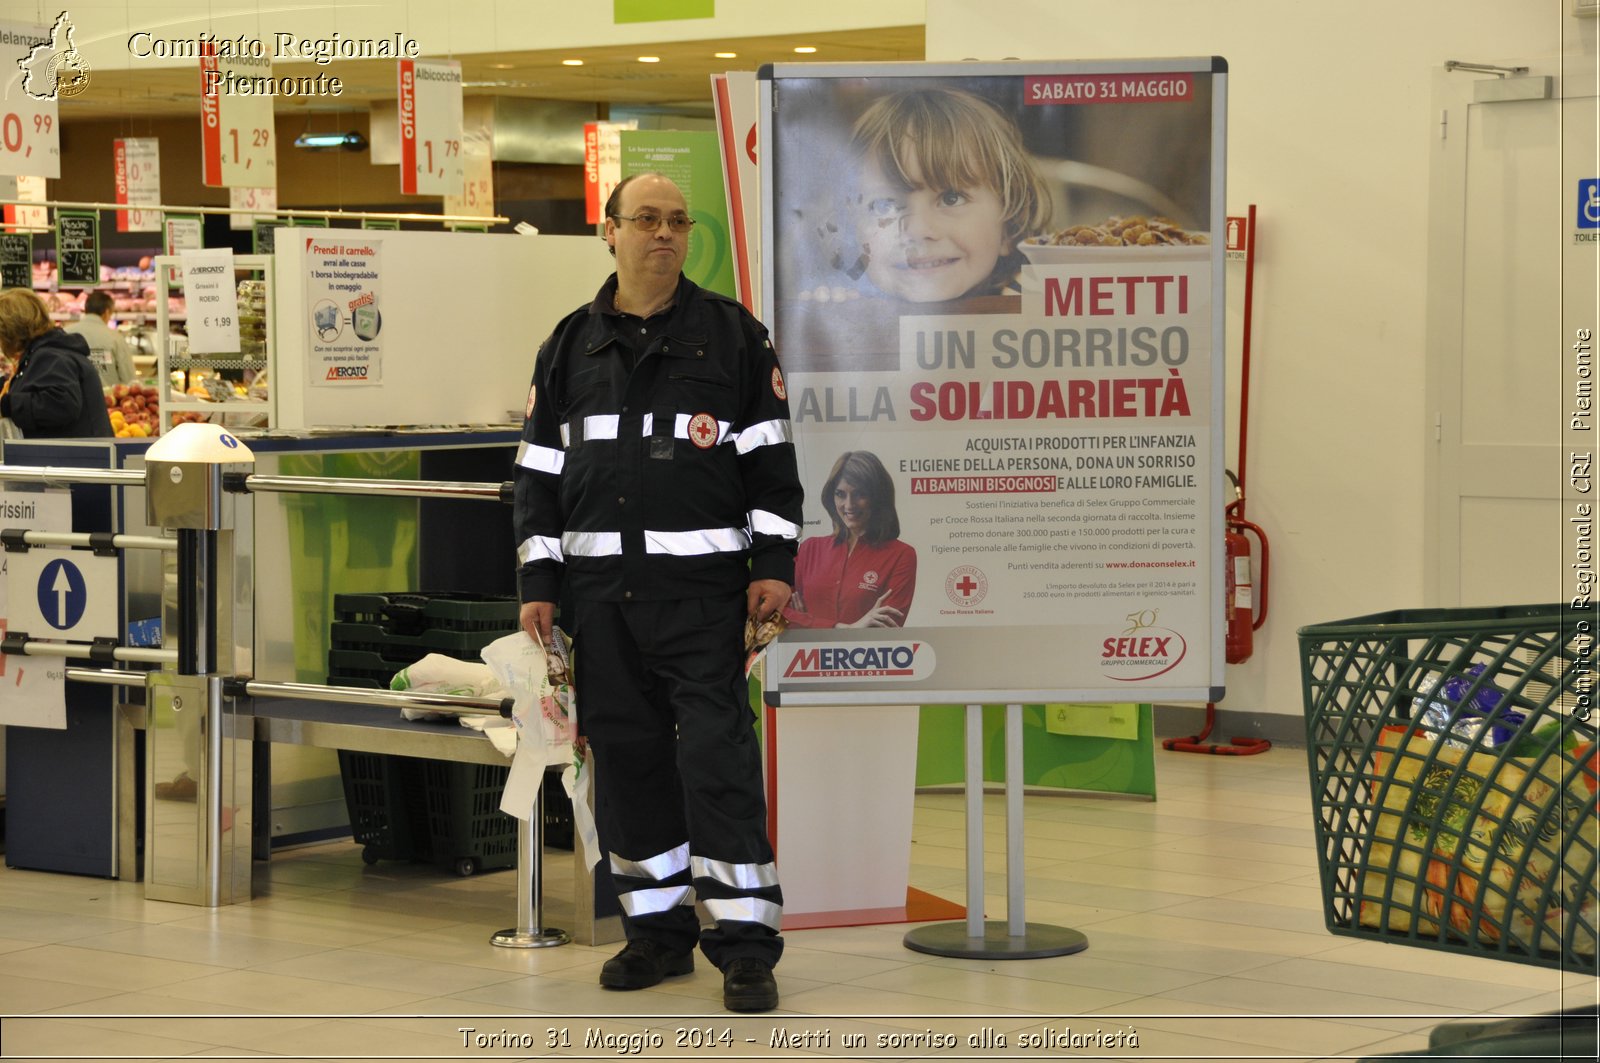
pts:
[703, 431]
[966, 585]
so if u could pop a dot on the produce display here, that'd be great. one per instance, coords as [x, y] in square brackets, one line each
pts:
[135, 411]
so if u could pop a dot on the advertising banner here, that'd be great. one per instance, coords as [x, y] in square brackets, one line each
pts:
[238, 148]
[737, 98]
[136, 162]
[693, 160]
[431, 121]
[996, 292]
[343, 286]
[38, 65]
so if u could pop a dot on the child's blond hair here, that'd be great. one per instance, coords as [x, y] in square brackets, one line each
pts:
[958, 140]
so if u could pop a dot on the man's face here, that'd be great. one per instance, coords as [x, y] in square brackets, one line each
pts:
[648, 254]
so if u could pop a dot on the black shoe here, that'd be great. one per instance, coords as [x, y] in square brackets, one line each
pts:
[748, 985]
[642, 964]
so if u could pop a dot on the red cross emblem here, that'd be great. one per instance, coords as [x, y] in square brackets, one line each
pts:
[777, 383]
[703, 431]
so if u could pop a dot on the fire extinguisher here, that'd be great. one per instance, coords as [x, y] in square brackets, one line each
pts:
[1240, 596]
[1238, 585]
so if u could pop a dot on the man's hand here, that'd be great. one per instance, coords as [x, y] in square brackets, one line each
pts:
[537, 617]
[765, 597]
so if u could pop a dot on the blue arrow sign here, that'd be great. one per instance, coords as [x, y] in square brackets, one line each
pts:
[63, 595]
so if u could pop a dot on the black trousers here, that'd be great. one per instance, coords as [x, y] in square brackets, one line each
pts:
[679, 800]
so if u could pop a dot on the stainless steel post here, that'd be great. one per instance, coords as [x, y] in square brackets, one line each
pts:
[1015, 938]
[530, 931]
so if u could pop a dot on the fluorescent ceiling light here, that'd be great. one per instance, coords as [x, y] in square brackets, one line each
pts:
[572, 62]
[649, 59]
[805, 49]
[351, 141]
[725, 55]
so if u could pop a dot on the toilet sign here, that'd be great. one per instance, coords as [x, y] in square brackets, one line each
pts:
[65, 595]
[1589, 203]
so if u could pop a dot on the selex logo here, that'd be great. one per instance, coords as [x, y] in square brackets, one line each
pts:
[1143, 650]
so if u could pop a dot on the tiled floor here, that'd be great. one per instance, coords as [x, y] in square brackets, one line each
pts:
[1202, 909]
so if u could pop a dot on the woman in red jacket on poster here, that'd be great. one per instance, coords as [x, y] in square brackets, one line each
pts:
[862, 575]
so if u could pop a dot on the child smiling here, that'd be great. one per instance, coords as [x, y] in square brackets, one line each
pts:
[946, 194]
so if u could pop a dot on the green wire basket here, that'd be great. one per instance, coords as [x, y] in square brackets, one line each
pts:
[1453, 777]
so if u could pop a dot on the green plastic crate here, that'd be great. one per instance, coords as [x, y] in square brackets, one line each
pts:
[1450, 834]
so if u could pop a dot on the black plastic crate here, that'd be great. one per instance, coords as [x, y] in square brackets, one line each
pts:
[466, 830]
[384, 640]
[383, 795]
[363, 664]
[412, 612]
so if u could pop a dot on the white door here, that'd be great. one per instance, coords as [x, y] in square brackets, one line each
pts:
[1512, 281]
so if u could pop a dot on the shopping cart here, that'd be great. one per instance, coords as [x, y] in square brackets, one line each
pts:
[1453, 778]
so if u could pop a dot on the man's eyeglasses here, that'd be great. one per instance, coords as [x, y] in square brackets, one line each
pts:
[648, 221]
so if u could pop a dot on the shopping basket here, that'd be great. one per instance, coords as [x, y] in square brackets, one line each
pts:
[1453, 778]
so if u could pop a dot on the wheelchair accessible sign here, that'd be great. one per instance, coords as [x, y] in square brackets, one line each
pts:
[67, 595]
[1589, 203]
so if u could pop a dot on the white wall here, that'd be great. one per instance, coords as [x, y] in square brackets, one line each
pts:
[1329, 129]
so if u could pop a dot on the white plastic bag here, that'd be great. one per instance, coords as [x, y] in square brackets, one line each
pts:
[438, 674]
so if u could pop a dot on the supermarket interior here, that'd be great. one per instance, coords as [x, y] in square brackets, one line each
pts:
[1228, 694]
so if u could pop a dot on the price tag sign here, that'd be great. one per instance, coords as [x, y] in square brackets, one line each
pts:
[77, 247]
[477, 196]
[180, 233]
[16, 260]
[211, 301]
[137, 164]
[430, 128]
[237, 147]
[29, 190]
[251, 199]
[31, 57]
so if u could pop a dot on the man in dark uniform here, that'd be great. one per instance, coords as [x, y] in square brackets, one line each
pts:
[657, 475]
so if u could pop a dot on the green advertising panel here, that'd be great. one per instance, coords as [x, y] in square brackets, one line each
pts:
[660, 10]
[693, 160]
[1090, 759]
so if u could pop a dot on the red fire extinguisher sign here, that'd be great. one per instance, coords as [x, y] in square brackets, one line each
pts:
[1237, 233]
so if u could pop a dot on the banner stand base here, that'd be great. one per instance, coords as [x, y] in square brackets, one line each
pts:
[997, 943]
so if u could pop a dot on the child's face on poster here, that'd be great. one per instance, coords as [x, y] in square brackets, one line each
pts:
[928, 244]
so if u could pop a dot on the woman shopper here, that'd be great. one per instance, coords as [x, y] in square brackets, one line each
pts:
[53, 391]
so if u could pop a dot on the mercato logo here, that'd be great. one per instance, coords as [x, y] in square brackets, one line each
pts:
[1143, 651]
[347, 372]
[893, 660]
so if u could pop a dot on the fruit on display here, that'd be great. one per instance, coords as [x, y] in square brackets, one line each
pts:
[135, 411]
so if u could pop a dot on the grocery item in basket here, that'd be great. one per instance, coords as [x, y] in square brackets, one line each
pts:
[1481, 843]
[1116, 231]
[1486, 718]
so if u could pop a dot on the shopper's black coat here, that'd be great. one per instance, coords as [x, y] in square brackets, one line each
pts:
[56, 393]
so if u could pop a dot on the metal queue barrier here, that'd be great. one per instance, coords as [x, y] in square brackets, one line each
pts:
[209, 722]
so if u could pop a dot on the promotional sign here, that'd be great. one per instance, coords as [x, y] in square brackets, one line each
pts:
[136, 162]
[39, 68]
[737, 101]
[477, 168]
[16, 260]
[180, 233]
[431, 123]
[694, 163]
[343, 285]
[996, 293]
[77, 247]
[211, 301]
[19, 216]
[602, 165]
[34, 687]
[247, 199]
[237, 146]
